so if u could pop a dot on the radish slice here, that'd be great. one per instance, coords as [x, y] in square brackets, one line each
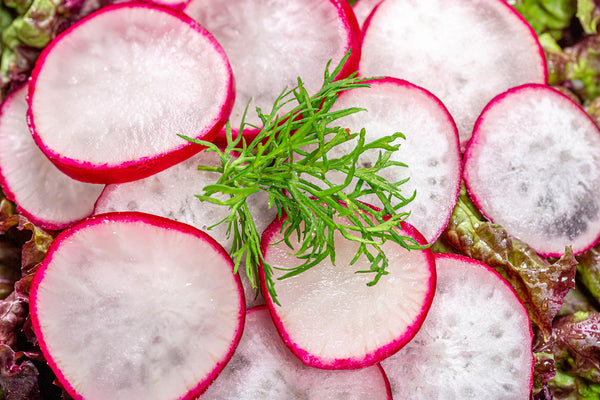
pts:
[430, 150]
[49, 198]
[533, 167]
[263, 368]
[170, 194]
[331, 319]
[464, 52]
[270, 44]
[475, 342]
[134, 306]
[109, 95]
[363, 8]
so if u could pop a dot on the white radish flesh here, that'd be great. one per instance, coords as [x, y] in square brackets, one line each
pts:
[134, 306]
[264, 368]
[464, 52]
[331, 319]
[533, 167]
[109, 96]
[272, 43]
[363, 8]
[44, 194]
[474, 344]
[171, 194]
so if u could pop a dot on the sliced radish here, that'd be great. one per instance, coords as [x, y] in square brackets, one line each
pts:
[430, 150]
[533, 167]
[171, 194]
[272, 43]
[464, 52]
[264, 368]
[109, 96]
[331, 319]
[475, 342]
[44, 194]
[362, 9]
[134, 306]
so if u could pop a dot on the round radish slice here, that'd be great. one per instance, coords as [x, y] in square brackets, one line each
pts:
[264, 368]
[134, 306]
[109, 96]
[475, 342]
[464, 52]
[331, 319]
[44, 194]
[271, 43]
[171, 194]
[533, 167]
[430, 150]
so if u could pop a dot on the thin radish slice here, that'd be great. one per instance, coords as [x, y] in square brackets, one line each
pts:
[171, 194]
[264, 368]
[475, 342]
[328, 315]
[430, 150]
[44, 194]
[109, 96]
[134, 306]
[271, 43]
[363, 8]
[533, 167]
[464, 52]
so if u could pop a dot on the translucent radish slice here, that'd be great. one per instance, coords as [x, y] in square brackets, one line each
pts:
[271, 43]
[264, 368]
[134, 306]
[475, 342]
[109, 95]
[430, 150]
[533, 167]
[331, 319]
[44, 194]
[464, 52]
[171, 194]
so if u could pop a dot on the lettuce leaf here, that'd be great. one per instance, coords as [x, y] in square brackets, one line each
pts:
[547, 16]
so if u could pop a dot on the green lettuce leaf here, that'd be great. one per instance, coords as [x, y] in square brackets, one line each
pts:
[588, 14]
[547, 16]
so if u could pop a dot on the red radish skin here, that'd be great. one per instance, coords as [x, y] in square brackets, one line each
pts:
[324, 287]
[544, 184]
[270, 44]
[363, 8]
[151, 143]
[476, 318]
[114, 230]
[42, 193]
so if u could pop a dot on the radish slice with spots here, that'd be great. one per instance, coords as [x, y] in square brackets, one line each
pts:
[464, 52]
[430, 150]
[270, 44]
[532, 166]
[171, 194]
[328, 315]
[49, 198]
[264, 368]
[134, 306]
[109, 96]
[475, 342]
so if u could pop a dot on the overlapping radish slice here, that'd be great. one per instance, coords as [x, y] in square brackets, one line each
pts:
[134, 306]
[109, 96]
[363, 8]
[328, 315]
[264, 368]
[464, 52]
[430, 150]
[44, 194]
[533, 166]
[270, 44]
[474, 344]
[171, 194]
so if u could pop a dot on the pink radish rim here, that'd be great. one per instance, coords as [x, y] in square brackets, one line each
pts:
[378, 354]
[126, 217]
[144, 166]
[479, 264]
[475, 137]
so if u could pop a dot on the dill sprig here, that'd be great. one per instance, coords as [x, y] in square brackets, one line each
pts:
[289, 161]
